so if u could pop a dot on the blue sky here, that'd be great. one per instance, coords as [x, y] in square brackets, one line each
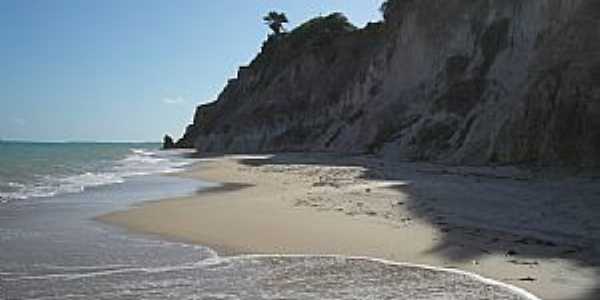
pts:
[125, 70]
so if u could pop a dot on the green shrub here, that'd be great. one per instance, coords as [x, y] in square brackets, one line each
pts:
[390, 8]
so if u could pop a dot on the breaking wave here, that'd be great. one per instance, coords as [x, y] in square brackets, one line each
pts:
[136, 162]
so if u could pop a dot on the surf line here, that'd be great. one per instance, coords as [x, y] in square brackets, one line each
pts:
[476, 277]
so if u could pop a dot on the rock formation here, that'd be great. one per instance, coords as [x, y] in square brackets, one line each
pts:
[454, 81]
[168, 142]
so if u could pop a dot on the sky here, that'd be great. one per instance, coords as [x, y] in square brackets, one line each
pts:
[130, 70]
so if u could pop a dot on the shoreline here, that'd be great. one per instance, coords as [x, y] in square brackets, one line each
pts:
[517, 290]
[310, 205]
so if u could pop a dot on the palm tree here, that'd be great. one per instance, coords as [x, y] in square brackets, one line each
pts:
[387, 7]
[275, 21]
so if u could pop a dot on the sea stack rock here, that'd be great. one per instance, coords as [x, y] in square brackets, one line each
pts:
[168, 142]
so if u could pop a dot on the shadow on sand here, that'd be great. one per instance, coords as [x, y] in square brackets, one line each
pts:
[485, 210]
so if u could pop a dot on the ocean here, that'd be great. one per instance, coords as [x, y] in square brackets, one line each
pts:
[37, 170]
[52, 248]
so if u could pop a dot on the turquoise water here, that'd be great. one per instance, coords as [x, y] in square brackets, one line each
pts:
[30, 170]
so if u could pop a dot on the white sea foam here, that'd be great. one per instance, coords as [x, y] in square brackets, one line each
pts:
[138, 163]
[340, 258]
[307, 262]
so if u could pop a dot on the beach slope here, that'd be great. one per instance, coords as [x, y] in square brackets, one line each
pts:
[326, 204]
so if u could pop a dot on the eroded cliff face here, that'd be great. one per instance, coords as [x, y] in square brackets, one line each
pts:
[454, 81]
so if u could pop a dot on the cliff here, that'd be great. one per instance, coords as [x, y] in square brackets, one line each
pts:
[454, 81]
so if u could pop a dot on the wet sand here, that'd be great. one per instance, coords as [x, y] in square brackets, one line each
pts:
[362, 206]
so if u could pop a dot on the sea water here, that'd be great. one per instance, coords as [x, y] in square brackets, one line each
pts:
[52, 248]
[37, 170]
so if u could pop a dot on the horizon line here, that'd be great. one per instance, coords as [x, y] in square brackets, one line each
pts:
[76, 141]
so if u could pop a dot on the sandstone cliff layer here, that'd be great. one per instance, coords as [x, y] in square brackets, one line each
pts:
[454, 81]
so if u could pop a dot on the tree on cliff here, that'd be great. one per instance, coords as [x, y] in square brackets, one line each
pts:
[389, 7]
[275, 21]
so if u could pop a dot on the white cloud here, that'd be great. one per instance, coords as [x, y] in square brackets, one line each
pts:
[18, 121]
[176, 100]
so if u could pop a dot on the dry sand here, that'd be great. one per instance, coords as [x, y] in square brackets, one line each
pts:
[505, 224]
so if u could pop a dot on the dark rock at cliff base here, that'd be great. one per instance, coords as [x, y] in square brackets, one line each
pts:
[168, 142]
[475, 82]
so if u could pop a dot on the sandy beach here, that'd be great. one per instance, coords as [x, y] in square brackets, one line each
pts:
[502, 223]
